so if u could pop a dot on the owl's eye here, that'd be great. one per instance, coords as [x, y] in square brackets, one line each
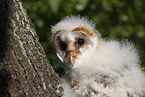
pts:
[63, 45]
[80, 41]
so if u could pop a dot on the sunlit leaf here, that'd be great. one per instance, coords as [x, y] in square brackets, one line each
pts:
[82, 4]
[54, 5]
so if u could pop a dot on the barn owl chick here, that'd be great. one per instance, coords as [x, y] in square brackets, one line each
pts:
[96, 67]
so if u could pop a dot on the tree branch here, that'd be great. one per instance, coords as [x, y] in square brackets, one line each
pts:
[25, 68]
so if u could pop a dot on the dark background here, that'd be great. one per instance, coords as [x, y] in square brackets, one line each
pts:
[115, 19]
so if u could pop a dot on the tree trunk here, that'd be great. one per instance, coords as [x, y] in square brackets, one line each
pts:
[25, 70]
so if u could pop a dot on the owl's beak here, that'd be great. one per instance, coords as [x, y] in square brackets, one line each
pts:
[71, 60]
[72, 56]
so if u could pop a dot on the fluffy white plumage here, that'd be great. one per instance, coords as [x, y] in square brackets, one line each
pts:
[96, 67]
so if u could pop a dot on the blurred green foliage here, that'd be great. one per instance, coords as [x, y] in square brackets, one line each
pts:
[115, 19]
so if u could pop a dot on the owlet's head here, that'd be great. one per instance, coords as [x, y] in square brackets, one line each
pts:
[72, 38]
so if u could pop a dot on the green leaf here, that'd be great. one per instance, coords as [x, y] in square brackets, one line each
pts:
[83, 3]
[54, 5]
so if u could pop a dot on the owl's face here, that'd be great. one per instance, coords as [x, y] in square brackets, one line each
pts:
[72, 44]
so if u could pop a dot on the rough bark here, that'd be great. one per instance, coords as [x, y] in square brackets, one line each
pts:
[25, 70]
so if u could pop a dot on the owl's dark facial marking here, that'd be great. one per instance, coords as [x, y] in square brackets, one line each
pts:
[62, 45]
